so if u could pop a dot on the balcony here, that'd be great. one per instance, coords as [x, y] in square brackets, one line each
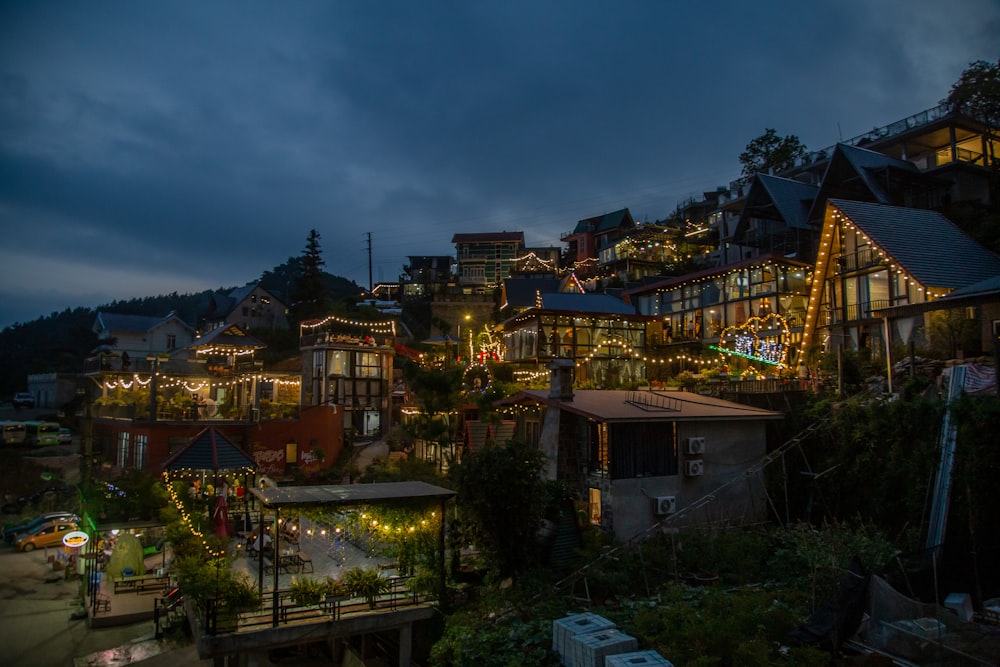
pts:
[866, 258]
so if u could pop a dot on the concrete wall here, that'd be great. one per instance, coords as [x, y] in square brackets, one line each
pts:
[730, 448]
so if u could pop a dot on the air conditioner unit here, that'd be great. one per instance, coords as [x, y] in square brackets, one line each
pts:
[694, 468]
[665, 504]
[696, 445]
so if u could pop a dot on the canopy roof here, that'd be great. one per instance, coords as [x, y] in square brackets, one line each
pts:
[209, 450]
[229, 337]
[349, 494]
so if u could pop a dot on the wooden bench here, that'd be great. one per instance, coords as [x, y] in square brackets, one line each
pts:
[144, 582]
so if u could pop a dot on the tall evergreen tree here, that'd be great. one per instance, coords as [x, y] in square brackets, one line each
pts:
[309, 298]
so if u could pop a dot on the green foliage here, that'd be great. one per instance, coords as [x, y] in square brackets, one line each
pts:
[806, 556]
[494, 485]
[977, 92]
[309, 297]
[311, 590]
[364, 583]
[769, 151]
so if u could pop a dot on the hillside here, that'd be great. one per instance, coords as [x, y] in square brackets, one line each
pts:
[60, 341]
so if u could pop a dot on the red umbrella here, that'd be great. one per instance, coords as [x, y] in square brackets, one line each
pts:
[221, 516]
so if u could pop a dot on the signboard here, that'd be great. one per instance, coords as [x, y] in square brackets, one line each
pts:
[75, 539]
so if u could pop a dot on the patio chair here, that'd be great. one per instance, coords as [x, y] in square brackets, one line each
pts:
[102, 602]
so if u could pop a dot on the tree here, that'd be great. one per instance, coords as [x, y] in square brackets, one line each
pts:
[309, 298]
[502, 498]
[977, 94]
[769, 151]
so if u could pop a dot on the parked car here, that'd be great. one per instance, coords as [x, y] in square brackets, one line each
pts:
[11, 533]
[65, 436]
[24, 399]
[48, 535]
[59, 490]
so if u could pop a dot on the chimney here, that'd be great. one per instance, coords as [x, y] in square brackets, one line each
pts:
[561, 379]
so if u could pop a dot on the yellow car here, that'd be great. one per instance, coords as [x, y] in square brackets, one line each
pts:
[47, 535]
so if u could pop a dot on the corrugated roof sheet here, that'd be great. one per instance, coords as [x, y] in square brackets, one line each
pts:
[929, 246]
[209, 450]
[349, 494]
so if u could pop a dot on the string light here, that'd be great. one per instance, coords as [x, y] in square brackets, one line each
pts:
[186, 520]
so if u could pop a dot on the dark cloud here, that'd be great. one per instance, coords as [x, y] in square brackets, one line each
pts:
[148, 148]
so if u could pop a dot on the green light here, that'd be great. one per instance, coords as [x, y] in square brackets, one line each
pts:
[745, 356]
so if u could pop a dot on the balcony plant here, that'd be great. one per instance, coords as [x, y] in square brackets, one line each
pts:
[365, 584]
[307, 590]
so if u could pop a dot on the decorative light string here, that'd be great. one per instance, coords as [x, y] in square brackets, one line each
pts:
[186, 519]
[382, 326]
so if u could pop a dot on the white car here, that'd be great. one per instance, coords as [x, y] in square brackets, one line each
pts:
[65, 436]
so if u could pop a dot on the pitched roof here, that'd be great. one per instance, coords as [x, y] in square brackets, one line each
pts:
[586, 302]
[791, 198]
[600, 224]
[135, 323]
[229, 336]
[642, 406]
[929, 246]
[209, 450]
[521, 292]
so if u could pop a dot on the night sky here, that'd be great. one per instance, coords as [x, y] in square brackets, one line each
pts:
[154, 147]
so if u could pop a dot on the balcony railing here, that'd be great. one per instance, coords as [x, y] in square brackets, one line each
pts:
[855, 311]
[858, 261]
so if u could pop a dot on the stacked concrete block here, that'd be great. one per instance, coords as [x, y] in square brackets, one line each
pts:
[637, 659]
[564, 630]
[590, 649]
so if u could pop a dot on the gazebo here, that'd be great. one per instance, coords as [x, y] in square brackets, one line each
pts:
[208, 461]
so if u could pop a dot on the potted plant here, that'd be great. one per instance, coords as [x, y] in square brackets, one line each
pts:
[366, 584]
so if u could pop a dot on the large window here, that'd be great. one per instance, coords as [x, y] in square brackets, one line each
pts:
[139, 456]
[122, 449]
[367, 365]
[642, 450]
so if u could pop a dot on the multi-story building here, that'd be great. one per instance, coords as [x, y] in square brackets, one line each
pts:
[348, 365]
[485, 259]
[250, 306]
[874, 257]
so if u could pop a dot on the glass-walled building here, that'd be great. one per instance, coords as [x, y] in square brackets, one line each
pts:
[699, 307]
[602, 334]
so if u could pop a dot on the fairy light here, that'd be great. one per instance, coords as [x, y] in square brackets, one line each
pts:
[380, 326]
[188, 523]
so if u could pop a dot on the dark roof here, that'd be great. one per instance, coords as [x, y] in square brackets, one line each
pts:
[137, 323]
[586, 302]
[929, 246]
[985, 291]
[229, 336]
[604, 405]
[654, 283]
[866, 162]
[521, 292]
[488, 237]
[791, 198]
[600, 224]
[349, 494]
[209, 450]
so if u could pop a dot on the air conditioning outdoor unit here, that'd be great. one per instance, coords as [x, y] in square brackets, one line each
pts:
[696, 445]
[694, 468]
[665, 504]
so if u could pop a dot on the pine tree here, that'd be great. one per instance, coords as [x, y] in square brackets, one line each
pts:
[309, 298]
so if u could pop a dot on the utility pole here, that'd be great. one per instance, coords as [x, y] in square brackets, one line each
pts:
[371, 285]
